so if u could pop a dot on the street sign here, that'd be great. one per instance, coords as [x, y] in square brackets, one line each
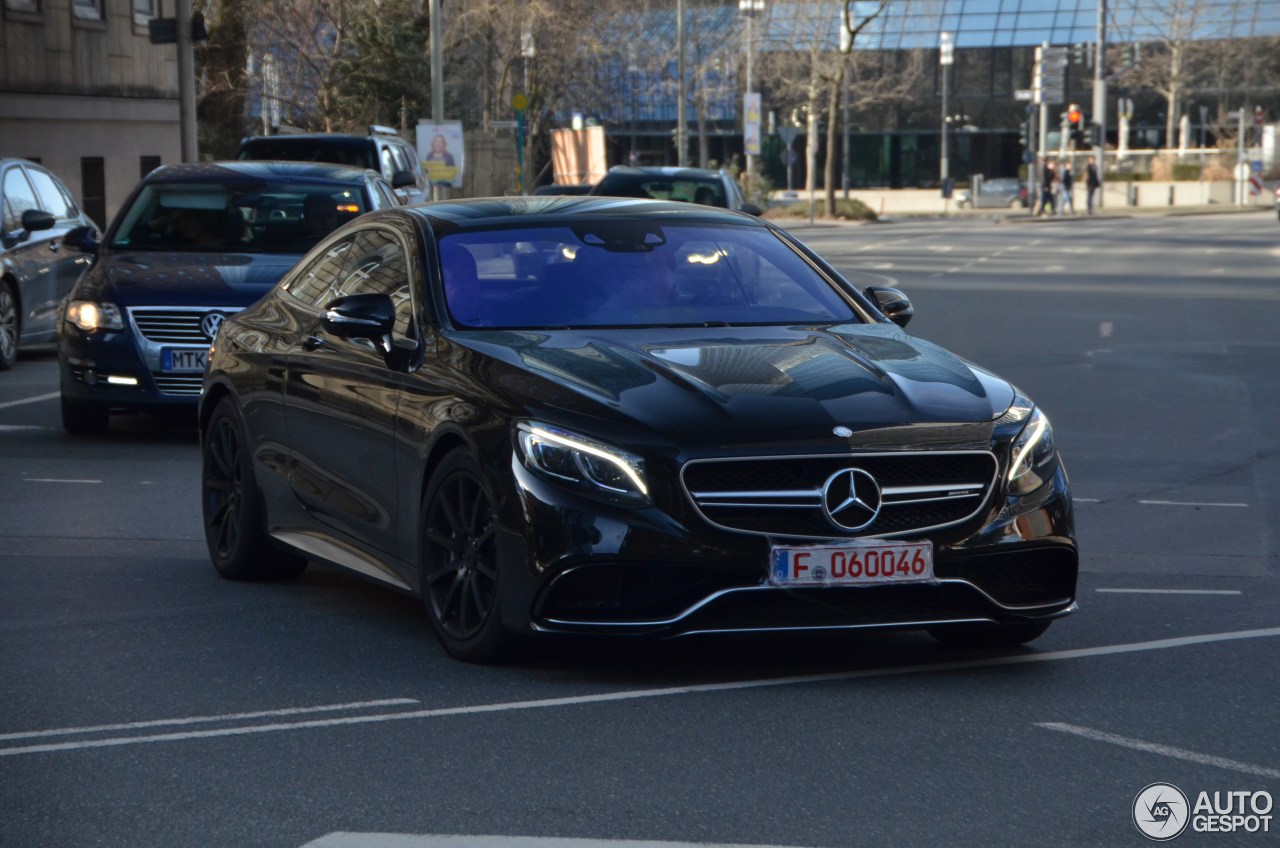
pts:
[519, 102]
[1023, 94]
[788, 135]
[502, 125]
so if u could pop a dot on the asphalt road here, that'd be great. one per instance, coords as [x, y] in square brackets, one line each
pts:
[148, 703]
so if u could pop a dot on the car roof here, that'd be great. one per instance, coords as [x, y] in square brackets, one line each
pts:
[236, 171]
[490, 212]
[668, 171]
[343, 138]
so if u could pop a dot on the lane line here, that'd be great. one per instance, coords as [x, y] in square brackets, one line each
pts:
[1086, 500]
[1105, 329]
[1170, 591]
[55, 480]
[35, 399]
[169, 722]
[1162, 750]
[1190, 503]
[640, 694]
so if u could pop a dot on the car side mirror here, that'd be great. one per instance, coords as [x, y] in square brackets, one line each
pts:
[362, 317]
[401, 179]
[892, 302]
[83, 239]
[34, 220]
[752, 209]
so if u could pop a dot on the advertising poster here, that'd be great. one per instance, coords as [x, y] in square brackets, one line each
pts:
[441, 149]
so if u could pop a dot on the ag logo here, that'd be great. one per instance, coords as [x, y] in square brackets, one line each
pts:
[1160, 811]
[211, 324]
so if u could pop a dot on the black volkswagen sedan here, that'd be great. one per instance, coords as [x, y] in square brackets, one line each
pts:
[192, 245]
[625, 417]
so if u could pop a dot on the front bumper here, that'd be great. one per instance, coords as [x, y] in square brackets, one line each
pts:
[583, 569]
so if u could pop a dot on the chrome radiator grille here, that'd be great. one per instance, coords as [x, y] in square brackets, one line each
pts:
[174, 326]
[783, 496]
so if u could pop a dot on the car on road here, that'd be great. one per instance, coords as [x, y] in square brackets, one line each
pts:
[682, 421]
[996, 193]
[38, 265]
[192, 245]
[691, 185]
[382, 150]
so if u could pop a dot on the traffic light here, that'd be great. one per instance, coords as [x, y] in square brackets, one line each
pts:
[1132, 58]
[1082, 53]
[1092, 135]
[1024, 133]
[1075, 121]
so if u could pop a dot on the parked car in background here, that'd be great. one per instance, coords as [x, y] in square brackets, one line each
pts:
[995, 193]
[37, 264]
[191, 246]
[383, 150]
[563, 190]
[691, 185]
[683, 421]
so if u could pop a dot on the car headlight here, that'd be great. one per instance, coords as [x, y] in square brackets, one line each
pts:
[1033, 456]
[90, 316]
[589, 467]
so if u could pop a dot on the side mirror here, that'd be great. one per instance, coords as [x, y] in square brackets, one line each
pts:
[401, 179]
[893, 303]
[370, 317]
[34, 220]
[83, 239]
[752, 209]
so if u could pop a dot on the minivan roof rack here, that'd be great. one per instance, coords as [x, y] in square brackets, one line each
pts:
[380, 129]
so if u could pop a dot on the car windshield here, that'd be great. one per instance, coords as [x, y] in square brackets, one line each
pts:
[267, 217]
[708, 192]
[354, 153]
[632, 274]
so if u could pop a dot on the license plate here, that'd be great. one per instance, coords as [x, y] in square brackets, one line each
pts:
[857, 562]
[189, 361]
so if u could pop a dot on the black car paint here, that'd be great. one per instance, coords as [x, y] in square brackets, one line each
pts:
[345, 451]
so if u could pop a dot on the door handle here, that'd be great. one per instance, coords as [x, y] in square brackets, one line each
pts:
[313, 343]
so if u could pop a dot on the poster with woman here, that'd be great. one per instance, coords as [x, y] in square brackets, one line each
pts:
[440, 146]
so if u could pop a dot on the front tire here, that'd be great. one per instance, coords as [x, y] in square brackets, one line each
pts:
[82, 419]
[461, 580]
[10, 326]
[234, 520]
[989, 635]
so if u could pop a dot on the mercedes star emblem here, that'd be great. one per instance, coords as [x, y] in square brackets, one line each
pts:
[851, 499]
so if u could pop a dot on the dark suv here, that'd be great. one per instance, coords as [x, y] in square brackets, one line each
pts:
[692, 185]
[37, 264]
[382, 151]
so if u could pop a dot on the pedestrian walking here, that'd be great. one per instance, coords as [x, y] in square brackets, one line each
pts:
[1092, 182]
[1048, 181]
[1068, 183]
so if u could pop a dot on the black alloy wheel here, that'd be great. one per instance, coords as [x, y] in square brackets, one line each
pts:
[9, 326]
[461, 587]
[234, 522]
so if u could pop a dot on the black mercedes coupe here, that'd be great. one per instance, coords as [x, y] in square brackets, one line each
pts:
[627, 418]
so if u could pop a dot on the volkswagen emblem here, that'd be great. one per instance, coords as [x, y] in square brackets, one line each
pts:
[851, 499]
[211, 324]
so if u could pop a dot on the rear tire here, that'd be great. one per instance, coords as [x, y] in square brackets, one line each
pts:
[989, 635]
[234, 520]
[10, 326]
[83, 419]
[461, 580]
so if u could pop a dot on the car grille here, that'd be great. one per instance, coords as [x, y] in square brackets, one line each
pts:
[174, 326]
[782, 496]
[186, 385]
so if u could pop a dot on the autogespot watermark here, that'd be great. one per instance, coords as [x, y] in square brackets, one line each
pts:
[1162, 811]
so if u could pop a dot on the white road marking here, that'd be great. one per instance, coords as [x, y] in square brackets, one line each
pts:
[169, 722]
[1086, 500]
[1217, 270]
[1055, 267]
[13, 428]
[439, 840]
[35, 399]
[1162, 750]
[1170, 591]
[56, 480]
[883, 266]
[953, 270]
[640, 694]
[1105, 329]
[1189, 503]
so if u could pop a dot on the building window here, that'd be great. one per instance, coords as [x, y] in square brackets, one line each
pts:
[147, 164]
[23, 7]
[143, 11]
[93, 188]
[87, 10]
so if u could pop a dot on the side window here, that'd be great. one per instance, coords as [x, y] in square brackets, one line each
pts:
[52, 200]
[386, 197]
[404, 159]
[18, 198]
[315, 285]
[376, 264]
[388, 162]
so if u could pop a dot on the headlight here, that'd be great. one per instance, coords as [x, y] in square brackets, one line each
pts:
[582, 464]
[1033, 456]
[90, 316]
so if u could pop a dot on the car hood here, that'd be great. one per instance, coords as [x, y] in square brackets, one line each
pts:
[741, 385]
[145, 278]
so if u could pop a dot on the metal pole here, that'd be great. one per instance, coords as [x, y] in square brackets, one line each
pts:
[186, 84]
[682, 158]
[1100, 97]
[437, 79]
[1241, 168]
[751, 14]
[844, 159]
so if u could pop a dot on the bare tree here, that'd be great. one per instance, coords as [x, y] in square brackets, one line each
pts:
[852, 27]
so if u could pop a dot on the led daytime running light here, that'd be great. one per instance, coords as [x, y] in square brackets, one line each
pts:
[573, 444]
[1040, 425]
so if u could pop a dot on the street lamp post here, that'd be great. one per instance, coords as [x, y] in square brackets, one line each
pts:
[682, 131]
[946, 57]
[750, 8]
